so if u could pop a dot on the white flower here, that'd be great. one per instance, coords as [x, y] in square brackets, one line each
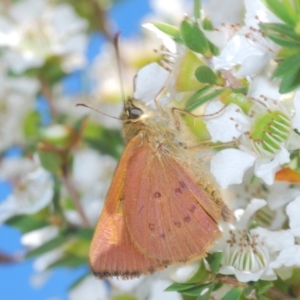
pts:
[33, 190]
[248, 51]
[90, 288]
[149, 82]
[92, 174]
[37, 30]
[264, 136]
[17, 97]
[182, 273]
[250, 254]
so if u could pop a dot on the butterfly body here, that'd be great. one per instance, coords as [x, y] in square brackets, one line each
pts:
[163, 206]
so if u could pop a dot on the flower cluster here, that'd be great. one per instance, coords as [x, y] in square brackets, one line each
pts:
[237, 68]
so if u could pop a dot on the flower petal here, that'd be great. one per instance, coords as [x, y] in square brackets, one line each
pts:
[287, 258]
[150, 81]
[228, 166]
[293, 211]
[266, 169]
[229, 118]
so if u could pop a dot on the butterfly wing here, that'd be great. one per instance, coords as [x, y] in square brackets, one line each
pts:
[163, 213]
[112, 252]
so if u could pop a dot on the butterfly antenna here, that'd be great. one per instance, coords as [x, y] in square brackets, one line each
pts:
[119, 64]
[100, 112]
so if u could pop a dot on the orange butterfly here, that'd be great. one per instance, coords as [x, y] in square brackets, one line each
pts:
[163, 206]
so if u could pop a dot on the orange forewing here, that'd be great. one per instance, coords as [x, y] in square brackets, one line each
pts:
[167, 215]
[112, 251]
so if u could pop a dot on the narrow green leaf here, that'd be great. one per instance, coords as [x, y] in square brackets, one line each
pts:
[214, 260]
[179, 287]
[281, 11]
[282, 29]
[194, 38]
[199, 289]
[290, 82]
[205, 295]
[233, 294]
[48, 246]
[167, 29]
[287, 66]
[202, 96]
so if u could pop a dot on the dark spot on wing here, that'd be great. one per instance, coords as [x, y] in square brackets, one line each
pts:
[187, 219]
[192, 208]
[182, 184]
[151, 226]
[157, 195]
[178, 191]
[162, 235]
[177, 224]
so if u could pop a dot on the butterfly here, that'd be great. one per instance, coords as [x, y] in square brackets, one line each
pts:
[163, 205]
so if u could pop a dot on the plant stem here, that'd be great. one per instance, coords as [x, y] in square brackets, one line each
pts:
[46, 91]
[197, 8]
[69, 184]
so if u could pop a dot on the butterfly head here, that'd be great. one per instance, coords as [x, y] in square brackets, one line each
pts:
[135, 111]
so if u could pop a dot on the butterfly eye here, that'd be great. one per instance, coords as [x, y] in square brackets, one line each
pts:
[135, 113]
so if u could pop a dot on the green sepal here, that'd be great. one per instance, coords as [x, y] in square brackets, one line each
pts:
[205, 74]
[194, 38]
[167, 29]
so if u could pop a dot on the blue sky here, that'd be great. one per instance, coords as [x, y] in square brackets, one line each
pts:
[15, 284]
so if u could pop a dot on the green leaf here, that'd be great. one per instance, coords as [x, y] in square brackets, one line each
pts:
[179, 287]
[70, 261]
[202, 96]
[203, 291]
[31, 124]
[282, 35]
[192, 289]
[249, 291]
[205, 75]
[287, 66]
[281, 29]
[284, 10]
[26, 223]
[194, 38]
[48, 246]
[167, 29]
[233, 294]
[294, 164]
[106, 141]
[290, 82]
[214, 260]
[51, 161]
[262, 286]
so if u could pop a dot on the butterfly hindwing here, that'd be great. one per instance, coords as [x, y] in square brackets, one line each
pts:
[164, 217]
